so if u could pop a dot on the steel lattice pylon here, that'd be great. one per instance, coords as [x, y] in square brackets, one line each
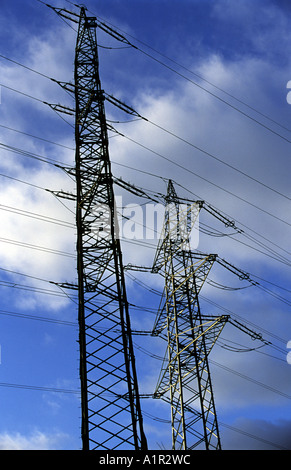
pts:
[185, 380]
[111, 413]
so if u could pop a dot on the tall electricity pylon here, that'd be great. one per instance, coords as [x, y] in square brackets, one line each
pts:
[111, 412]
[185, 380]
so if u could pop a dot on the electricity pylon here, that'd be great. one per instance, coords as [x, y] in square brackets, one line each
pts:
[185, 380]
[111, 412]
[110, 398]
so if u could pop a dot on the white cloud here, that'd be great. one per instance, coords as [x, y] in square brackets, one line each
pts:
[16, 110]
[35, 441]
[26, 228]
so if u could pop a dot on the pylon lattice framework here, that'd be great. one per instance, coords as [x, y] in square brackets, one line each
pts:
[111, 413]
[185, 380]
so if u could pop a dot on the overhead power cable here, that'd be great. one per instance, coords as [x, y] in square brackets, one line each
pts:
[268, 291]
[271, 253]
[219, 98]
[273, 244]
[188, 170]
[37, 137]
[230, 95]
[228, 369]
[37, 247]
[60, 109]
[36, 156]
[114, 34]
[25, 66]
[111, 30]
[57, 108]
[38, 290]
[168, 159]
[55, 193]
[233, 314]
[130, 110]
[250, 379]
[152, 290]
[39, 388]
[58, 164]
[156, 197]
[252, 436]
[37, 318]
[36, 216]
[243, 225]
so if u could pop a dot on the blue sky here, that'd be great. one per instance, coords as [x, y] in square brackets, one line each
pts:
[213, 73]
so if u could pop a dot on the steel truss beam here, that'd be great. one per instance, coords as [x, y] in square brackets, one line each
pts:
[185, 380]
[111, 413]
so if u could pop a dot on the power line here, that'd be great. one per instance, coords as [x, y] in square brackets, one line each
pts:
[244, 225]
[269, 333]
[52, 389]
[188, 170]
[258, 285]
[54, 193]
[228, 369]
[252, 436]
[51, 320]
[23, 182]
[109, 31]
[32, 155]
[37, 318]
[14, 285]
[197, 75]
[154, 356]
[272, 283]
[270, 252]
[219, 160]
[22, 93]
[10, 271]
[119, 37]
[189, 143]
[231, 313]
[37, 247]
[39, 388]
[36, 137]
[220, 99]
[161, 128]
[25, 66]
[198, 197]
[196, 147]
[55, 107]
[36, 216]
[250, 379]
[37, 290]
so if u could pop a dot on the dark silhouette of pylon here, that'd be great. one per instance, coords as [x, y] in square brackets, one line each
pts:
[111, 412]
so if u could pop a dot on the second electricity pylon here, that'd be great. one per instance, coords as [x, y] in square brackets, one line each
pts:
[111, 413]
[185, 380]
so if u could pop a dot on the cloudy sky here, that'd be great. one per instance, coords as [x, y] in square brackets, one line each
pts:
[211, 79]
